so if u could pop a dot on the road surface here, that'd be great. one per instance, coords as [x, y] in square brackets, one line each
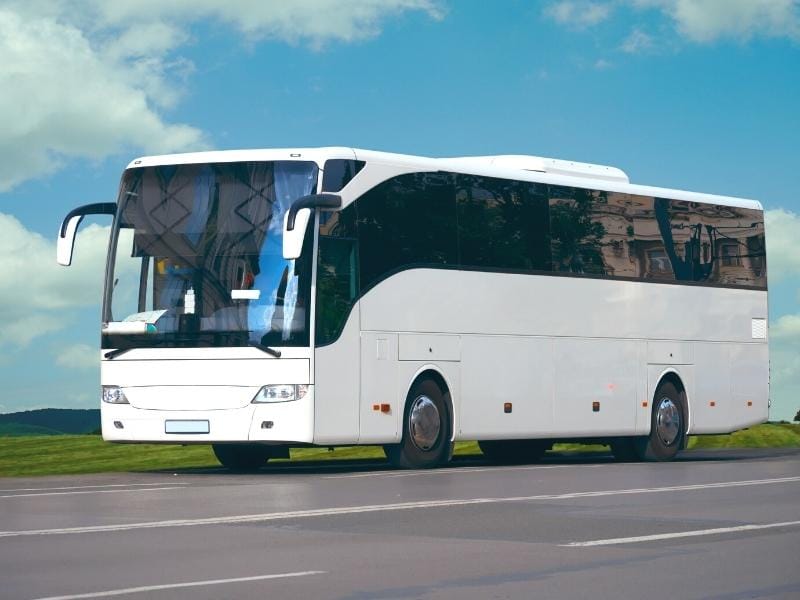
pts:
[721, 524]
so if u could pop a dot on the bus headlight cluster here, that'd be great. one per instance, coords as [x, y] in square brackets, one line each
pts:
[113, 395]
[280, 393]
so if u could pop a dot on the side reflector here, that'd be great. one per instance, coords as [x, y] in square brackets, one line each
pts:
[644, 404]
[749, 403]
[507, 407]
[712, 404]
[385, 408]
[595, 407]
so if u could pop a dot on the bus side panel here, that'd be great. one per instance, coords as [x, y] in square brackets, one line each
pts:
[500, 369]
[749, 384]
[379, 385]
[596, 384]
[336, 385]
[710, 404]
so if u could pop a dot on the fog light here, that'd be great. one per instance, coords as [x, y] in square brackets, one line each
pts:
[266, 424]
[119, 425]
[113, 395]
[280, 393]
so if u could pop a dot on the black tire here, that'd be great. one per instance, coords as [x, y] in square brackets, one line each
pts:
[424, 444]
[242, 457]
[667, 426]
[514, 452]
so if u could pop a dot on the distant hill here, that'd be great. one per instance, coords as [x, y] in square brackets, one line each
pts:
[18, 429]
[50, 421]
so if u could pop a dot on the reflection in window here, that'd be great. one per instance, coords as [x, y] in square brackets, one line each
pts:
[658, 262]
[577, 229]
[502, 224]
[730, 255]
[407, 221]
[337, 273]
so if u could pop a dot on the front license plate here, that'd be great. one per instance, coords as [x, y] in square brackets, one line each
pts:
[186, 427]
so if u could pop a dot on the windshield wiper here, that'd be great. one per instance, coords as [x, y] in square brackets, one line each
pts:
[267, 349]
[115, 353]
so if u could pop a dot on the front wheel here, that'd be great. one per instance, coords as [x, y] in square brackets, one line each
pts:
[667, 426]
[426, 429]
[241, 457]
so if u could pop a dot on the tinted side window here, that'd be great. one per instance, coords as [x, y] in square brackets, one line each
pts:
[578, 230]
[655, 239]
[502, 224]
[711, 243]
[337, 273]
[407, 221]
[337, 173]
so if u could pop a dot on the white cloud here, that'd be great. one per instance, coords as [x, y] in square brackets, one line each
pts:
[783, 244]
[636, 42]
[78, 356]
[579, 14]
[313, 21]
[91, 78]
[709, 20]
[602, 64]
[786, 327]
[699, 21]
[37, 296]
[63, 99]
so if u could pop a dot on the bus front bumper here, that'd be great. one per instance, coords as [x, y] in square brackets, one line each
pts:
[279, 422]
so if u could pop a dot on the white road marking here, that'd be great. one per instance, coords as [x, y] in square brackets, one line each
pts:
[460, 471]
[86, 487]
[151, 489]
[172, 586]
[468, 470]
[349, 510]
[680, 534]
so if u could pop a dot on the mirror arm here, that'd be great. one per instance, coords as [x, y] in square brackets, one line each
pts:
[100, 208]
[329, 201]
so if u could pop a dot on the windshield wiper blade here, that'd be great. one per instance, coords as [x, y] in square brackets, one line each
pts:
[115, 353]
[267, 349]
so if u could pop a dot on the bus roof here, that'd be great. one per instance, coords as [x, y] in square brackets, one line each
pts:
[519, 167]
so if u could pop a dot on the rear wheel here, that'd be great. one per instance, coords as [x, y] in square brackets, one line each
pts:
[667, 426]
[514, 451]
[426, 429]
[242, 457]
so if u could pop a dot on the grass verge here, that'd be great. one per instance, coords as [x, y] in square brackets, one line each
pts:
[72, 454]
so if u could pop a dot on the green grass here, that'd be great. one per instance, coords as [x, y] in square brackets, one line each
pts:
[768, 435]
[71, 454]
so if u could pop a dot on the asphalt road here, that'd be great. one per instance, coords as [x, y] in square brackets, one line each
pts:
[720, 525]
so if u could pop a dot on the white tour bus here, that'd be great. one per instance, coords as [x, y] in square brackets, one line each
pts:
[265, 299]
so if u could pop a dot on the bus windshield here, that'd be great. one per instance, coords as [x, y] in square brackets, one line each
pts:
[196, 257]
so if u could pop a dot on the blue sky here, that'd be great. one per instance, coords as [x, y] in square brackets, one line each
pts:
[689, 94]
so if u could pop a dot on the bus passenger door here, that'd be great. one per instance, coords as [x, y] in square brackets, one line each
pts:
[380, 400]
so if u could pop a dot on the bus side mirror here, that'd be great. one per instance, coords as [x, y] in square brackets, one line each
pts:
[296, 220]
[69, 227]
[293, 238]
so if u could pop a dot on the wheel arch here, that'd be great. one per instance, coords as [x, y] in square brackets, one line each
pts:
[432, 372]
[673, 376]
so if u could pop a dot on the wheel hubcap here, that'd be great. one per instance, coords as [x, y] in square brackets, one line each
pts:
[668, 421]
[424, 423]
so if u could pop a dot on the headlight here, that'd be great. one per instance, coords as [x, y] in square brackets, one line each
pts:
[280, 393]
[113, 395]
